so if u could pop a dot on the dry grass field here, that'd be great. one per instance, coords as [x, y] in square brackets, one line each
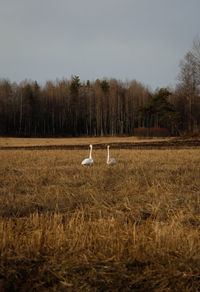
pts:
[131, 227]
[71, 141]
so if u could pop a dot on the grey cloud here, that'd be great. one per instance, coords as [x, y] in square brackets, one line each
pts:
[134, 39]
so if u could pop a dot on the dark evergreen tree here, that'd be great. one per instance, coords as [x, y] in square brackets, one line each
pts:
[159, 112]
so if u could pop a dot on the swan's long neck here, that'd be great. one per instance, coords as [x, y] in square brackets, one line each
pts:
[108, 158]
[90, 152]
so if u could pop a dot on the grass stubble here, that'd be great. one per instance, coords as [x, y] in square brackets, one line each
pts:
[131, 227]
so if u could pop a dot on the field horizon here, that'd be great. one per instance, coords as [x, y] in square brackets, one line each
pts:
[80, 143]
[13, 141]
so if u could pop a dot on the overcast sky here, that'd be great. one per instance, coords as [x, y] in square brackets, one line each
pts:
[123, 39]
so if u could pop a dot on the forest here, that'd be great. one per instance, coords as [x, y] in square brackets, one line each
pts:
[67, 108]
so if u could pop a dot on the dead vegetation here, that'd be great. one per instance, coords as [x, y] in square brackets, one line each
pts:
[131, 227]
[25, 142]
[99, 143]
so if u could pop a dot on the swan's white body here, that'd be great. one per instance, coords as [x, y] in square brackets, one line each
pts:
[88, 161]
[110, 161]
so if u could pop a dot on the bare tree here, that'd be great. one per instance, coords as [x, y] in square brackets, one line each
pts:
[189, 81]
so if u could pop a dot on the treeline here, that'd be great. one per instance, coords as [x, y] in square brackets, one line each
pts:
[71, 107]
[103, 107]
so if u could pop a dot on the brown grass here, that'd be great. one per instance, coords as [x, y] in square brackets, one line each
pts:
[71, 141]
[131, 227]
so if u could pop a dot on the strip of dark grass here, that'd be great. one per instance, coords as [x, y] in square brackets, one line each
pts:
[176, 144]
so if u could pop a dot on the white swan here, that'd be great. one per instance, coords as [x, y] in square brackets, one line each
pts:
[110, 161]
[88, 161]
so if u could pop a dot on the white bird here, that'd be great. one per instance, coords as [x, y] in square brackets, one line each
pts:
[110, 161]
[88, 161]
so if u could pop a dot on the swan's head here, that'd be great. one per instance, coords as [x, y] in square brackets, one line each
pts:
[91, 146]
[108, 146]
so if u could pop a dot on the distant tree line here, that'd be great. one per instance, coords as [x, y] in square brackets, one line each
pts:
[103, 107]
[70, 107]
